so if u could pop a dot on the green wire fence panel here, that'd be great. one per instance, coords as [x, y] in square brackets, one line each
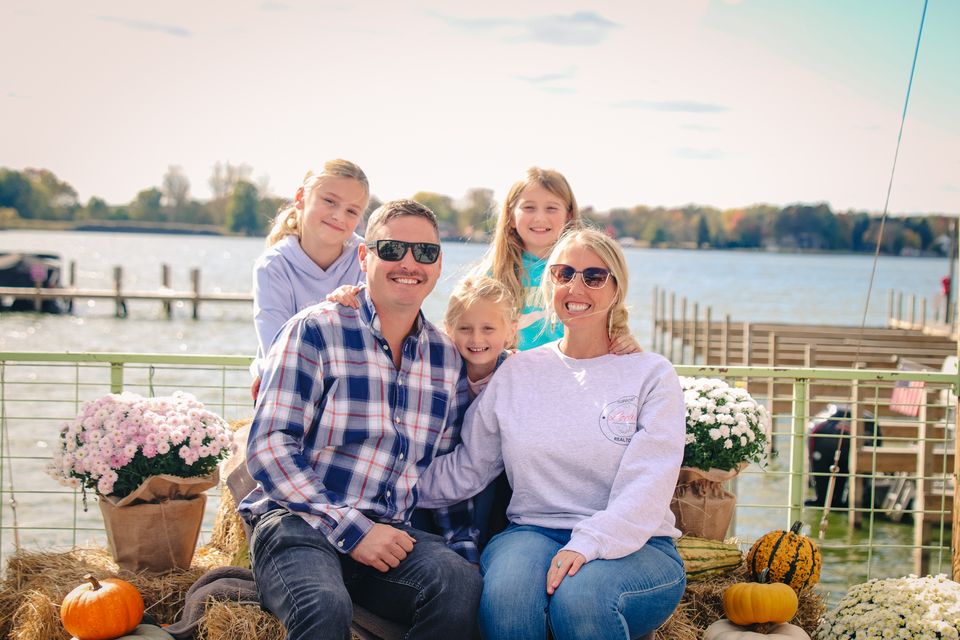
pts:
[888, 434]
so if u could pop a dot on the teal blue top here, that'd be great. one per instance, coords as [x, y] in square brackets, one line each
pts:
[535, 328]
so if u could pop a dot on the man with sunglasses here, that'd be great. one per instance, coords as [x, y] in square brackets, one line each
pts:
[354, 405]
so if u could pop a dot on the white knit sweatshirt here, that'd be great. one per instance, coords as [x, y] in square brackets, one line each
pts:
[590, 445]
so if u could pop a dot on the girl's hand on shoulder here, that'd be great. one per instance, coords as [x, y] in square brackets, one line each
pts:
[624, 344]
[565, 563]
[346, 295]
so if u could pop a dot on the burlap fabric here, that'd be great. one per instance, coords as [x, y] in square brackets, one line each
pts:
[155, 528]
[703, 507]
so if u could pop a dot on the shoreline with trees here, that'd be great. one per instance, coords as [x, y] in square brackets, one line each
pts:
[38, 199]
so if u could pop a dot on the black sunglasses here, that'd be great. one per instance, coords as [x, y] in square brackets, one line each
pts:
[394, 250]
[593, 277]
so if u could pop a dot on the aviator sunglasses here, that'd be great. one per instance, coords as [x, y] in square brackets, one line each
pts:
[593, 277]
[394, 250]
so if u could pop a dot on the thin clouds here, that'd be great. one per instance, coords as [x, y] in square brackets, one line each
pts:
[689, 153]
[673, 106]
[547, 78]
[274, 6]
[699, 127]
[580, 29]
[143, 25]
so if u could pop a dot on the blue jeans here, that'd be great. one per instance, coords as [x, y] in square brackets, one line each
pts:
[311, 587]
[606, 600]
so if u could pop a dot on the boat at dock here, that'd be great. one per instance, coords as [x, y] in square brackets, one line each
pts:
[32, 271]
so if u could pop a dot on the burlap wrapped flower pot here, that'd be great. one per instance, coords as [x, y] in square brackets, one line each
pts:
[156, 527]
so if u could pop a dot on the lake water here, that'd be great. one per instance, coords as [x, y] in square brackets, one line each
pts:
[828, 289]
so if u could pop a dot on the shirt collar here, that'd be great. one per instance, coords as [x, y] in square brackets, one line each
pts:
[369, 314]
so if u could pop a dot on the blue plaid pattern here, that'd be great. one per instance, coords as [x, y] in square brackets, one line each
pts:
[340, 436]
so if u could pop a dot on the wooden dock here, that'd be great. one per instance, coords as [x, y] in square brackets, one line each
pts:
[167, 296]
[918, 452]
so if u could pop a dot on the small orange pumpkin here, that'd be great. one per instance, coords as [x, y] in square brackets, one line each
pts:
[759, 602]
[101, 610]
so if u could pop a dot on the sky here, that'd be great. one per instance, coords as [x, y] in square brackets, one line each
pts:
[658, 102]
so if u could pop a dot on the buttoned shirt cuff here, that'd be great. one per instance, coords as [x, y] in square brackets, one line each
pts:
[350, 531]
[467, 549]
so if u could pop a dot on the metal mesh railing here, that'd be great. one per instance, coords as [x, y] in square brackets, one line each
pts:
[891, 498]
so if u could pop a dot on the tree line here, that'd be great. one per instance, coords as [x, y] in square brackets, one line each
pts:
[240, 205]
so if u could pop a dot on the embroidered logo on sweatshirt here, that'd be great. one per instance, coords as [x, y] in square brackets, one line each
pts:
[618, 420]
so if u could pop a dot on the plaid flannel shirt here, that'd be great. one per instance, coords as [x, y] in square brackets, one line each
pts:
[341, 436]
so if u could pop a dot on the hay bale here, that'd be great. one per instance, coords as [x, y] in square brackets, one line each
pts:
[228, 536]
[232, 621]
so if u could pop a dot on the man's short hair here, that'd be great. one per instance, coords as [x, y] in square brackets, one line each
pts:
[396, 209]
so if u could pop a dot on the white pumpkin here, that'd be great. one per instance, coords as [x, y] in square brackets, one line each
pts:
[725, 630]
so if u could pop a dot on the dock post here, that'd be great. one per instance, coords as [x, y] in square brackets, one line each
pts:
[663, 316]
[195, 279]
[165, 283]
[696, 327]
[890, 308]
[72, 283]
[121, 304]
[683, 329]
[899, 309]
[706, 352]
[913, 310]
[725, 340]
[746, 344]
[673, 311]
[923, 312]
[653, 314]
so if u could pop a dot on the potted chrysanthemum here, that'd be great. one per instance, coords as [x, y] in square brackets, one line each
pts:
[909, 608]
[150, 461]
[726, 431]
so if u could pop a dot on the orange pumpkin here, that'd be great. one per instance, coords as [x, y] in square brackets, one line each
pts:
[101, 610]
[758, 602]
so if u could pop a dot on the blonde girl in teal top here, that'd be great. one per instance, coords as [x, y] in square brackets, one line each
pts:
[535, 212]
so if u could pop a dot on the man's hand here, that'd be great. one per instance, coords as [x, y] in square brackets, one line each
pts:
[383, 547]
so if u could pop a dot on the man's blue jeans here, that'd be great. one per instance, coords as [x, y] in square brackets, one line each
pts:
[606, 600]
[311, 587]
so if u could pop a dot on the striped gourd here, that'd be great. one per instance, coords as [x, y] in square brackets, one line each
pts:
[704, 558]
[792, 558]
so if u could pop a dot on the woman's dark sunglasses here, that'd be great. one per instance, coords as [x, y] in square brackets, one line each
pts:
[593, 277]
[394, 250]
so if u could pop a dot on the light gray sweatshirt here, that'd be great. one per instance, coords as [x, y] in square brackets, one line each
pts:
[590, 445]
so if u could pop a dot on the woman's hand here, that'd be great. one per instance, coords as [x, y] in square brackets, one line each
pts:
[346, 295]
[624, 344]
[565, 563]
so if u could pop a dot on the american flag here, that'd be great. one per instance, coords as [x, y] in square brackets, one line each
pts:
[907, 397]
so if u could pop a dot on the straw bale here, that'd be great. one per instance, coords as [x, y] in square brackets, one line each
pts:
[228, 536]
[36, 583]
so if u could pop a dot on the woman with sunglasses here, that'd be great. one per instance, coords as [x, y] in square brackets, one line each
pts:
[592, 445]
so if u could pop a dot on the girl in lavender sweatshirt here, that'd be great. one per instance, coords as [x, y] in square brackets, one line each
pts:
[592, 445]
[311, 250]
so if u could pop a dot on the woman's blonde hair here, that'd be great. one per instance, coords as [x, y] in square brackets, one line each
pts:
[287, 221]
[504, 261]
[613, 259]
[473, 289]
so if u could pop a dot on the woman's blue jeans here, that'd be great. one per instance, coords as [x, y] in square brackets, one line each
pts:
[606, 600]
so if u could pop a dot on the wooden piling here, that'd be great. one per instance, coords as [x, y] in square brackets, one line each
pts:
[673, 309]
[653, 315]
[195, 280]
[725, 341]
[683, 329]
[165, 283]
[121, 304]
[696, 332]
[706, 352]
[72, 283]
